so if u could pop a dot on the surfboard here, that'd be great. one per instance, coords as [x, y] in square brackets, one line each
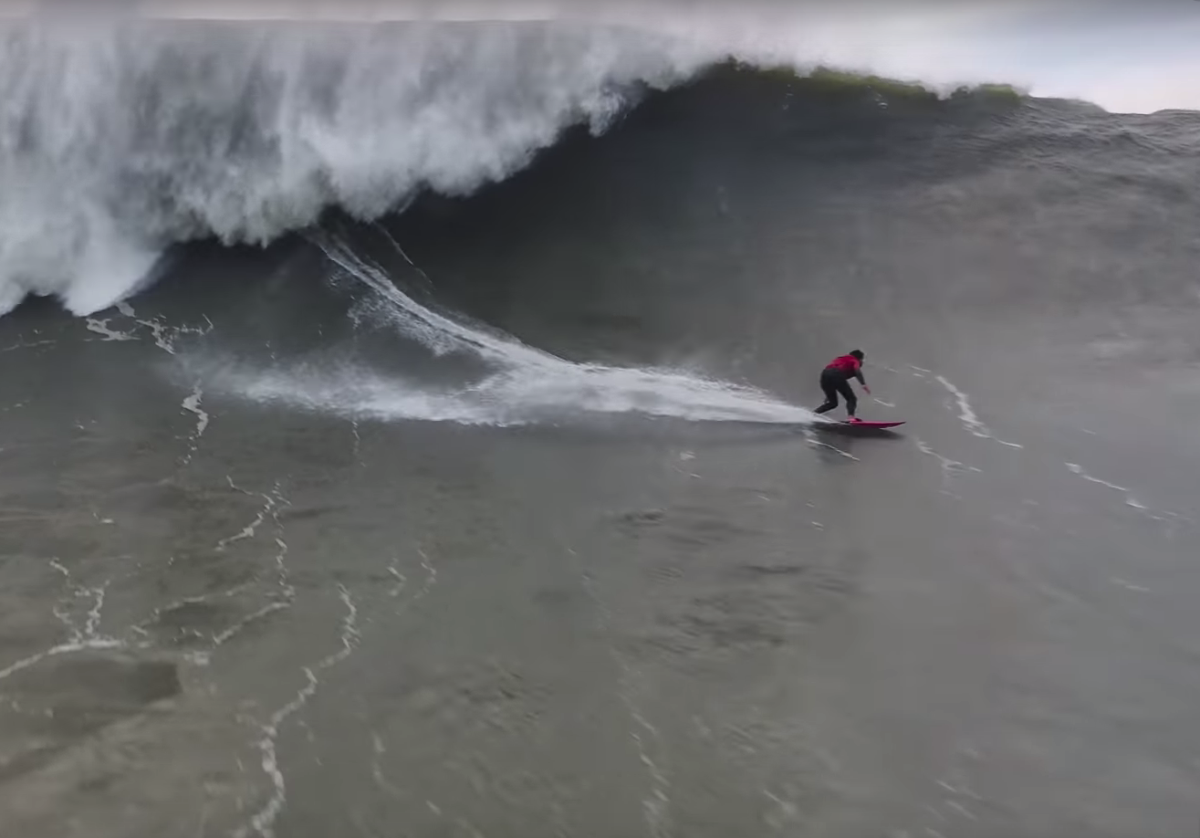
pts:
[866, 426]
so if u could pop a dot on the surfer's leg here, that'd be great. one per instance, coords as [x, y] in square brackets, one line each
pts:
[830, 389]
[848, 394]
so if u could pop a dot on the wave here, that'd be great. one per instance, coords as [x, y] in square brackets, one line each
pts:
[119, 139]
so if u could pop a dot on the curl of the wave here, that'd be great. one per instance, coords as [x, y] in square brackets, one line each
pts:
[118, 139]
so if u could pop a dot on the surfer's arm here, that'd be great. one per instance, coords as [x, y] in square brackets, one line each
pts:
[858, 374]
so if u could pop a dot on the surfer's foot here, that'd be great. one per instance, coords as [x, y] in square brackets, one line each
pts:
[854, 420]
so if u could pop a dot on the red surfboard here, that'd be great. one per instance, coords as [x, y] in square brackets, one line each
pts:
[876, 426]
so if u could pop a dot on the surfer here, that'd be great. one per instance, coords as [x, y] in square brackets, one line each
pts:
[835, 379]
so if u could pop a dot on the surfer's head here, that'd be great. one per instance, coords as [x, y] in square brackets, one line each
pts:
[856, 353]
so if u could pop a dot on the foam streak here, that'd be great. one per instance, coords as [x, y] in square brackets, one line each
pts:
[1130, 500]
[192, 405]
[251, 529]
[950, 468]
[966, 414]
[263, 821]
[82, 638]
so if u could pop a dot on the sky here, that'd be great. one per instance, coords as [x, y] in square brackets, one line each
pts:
[1134, 56]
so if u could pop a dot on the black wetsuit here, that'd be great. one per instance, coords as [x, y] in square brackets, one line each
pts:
[835, 379]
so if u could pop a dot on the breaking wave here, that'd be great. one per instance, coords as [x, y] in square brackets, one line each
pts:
[120, 138]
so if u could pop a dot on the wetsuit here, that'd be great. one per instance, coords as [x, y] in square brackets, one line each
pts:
[835, 379]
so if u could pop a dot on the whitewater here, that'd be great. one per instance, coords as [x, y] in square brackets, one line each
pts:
[121, 140]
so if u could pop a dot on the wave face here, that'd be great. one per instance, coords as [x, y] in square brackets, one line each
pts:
[122, 138]
[720, 232]
[498, 380]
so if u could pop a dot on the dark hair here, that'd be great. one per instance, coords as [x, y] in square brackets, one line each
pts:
[857, 353]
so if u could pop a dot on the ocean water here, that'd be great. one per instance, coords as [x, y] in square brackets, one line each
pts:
[405, 429]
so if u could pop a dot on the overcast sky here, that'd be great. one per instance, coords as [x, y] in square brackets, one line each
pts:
[1125, 55]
